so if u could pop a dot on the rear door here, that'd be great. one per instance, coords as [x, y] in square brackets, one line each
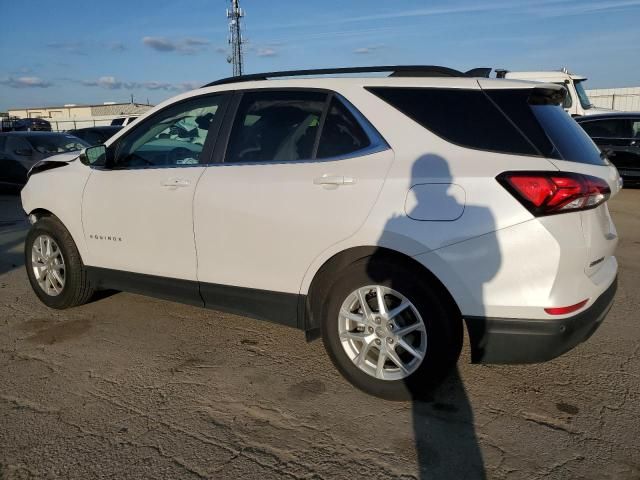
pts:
[300, 172]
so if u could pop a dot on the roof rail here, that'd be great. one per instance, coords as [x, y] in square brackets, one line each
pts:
[396, 71]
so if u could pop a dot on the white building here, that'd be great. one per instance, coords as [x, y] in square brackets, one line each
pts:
[72, 116]
[624, 99]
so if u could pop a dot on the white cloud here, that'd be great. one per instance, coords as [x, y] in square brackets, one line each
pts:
[26, 82]
[112, 83]
[187, 46]
[367, 50]
[108, 82]
[266, 52]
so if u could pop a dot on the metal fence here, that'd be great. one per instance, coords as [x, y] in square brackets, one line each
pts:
[7, 124]
[622, 99]
[64, 125]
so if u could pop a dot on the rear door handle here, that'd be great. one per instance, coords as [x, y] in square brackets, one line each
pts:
[333, 180]
[176, 182]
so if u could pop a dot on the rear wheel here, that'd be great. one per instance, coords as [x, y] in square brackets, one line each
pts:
[389, 331]
[54, 267]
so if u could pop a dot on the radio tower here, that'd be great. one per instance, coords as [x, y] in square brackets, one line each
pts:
[234, 14]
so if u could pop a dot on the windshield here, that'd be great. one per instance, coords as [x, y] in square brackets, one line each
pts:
[51, 144]
[582, 95]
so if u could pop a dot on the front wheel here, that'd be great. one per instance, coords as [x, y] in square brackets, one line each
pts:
[390, 332]
[54, 267]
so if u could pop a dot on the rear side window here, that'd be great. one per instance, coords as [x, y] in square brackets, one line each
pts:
[464, 117]
[341, 133]
[275, 126]
[517, 121]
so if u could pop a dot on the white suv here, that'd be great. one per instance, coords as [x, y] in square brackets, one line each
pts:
[378, 212]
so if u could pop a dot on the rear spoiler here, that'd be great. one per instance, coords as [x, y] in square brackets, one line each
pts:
[482, 72]
[485, 72]
[547, 94]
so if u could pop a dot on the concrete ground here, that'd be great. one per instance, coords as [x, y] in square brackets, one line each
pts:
[132, 387]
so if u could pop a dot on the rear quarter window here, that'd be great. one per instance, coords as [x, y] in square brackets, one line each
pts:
[465, 117]
[570, 141]
[516, 121]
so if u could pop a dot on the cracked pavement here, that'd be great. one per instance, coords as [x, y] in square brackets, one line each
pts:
[133, 387]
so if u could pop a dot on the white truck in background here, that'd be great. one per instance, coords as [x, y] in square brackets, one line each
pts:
[576, 103]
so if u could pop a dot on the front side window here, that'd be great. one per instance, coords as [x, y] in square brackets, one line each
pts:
[275, 126]
[173, 137]
[341, 133]
[636, 129]
[607, 128]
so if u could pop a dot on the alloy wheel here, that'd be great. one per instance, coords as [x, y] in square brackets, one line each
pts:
[48, 265]
[382, 332]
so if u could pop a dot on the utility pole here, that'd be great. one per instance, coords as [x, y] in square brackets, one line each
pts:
[234, 14]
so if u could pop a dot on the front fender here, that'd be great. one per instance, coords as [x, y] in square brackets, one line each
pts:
[59, 191]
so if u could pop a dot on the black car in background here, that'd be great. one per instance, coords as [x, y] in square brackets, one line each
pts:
[95, 135]
[19, 151]
[31, 125]
[618, 132]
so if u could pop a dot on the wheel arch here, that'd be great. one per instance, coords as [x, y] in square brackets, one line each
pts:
[39, 213]
[322, 281]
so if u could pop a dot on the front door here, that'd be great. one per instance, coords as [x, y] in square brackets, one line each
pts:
[301, 172]
[137, 210]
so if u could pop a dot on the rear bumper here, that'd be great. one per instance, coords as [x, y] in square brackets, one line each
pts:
[511, 340]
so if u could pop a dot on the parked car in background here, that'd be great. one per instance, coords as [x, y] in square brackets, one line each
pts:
[576, 103]
[618, 133]
[96, 135]
[122, 121]
[6, 124]
[31, 125]
[19, 151]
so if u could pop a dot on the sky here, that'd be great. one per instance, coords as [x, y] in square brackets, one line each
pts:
[88, 52]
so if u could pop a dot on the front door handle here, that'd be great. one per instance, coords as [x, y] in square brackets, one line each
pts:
[176, 182]
[333, 180]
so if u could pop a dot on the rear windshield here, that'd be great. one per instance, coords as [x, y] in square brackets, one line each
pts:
[495, 120]
[56, 143]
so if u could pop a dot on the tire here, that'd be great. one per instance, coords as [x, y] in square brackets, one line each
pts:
[77, 289]
[443, 332]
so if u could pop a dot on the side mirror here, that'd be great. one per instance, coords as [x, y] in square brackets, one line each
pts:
[24, 152]
[95, 156]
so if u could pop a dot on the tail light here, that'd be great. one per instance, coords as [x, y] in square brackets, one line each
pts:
[548, 193]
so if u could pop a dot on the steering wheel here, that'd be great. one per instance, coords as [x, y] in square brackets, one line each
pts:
[180, 153]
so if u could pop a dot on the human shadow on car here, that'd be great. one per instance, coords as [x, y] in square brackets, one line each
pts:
[445, 439]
